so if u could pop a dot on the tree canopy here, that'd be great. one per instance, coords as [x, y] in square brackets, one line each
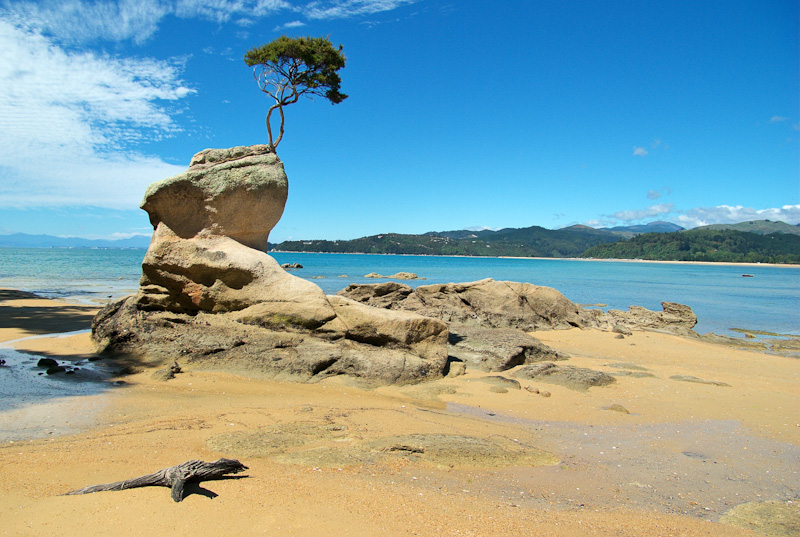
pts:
[288, 68]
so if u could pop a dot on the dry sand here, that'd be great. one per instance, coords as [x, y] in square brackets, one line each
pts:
[454, 457]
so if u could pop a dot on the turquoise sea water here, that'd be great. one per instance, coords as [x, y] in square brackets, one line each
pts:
[719, 295]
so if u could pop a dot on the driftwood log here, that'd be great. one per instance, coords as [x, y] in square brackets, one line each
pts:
[174, 477]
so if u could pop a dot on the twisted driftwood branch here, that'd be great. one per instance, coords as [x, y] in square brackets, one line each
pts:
[174, 477]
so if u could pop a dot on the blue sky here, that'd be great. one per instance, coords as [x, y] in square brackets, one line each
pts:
[461, 114]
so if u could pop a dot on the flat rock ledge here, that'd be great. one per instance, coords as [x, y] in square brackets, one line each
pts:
[575, 378]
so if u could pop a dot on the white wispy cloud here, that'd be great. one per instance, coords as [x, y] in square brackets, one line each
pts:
[293, 24]
[653, 194]
[339, 9]
[639, 151]
[82, 21]
[778, 119]
[640, 214]
[732, 214]
[66, 120]
[76, 21]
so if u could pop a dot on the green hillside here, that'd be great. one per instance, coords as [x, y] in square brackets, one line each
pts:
[525, 242]
[701, 244]
[761, 227]
[719, 245]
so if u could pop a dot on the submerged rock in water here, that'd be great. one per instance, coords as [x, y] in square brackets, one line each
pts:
[210, 294]
[395, 276]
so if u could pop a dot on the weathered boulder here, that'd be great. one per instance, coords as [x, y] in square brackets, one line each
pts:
[497, 349]
[211, 296]
[484, 303]
[238, 193]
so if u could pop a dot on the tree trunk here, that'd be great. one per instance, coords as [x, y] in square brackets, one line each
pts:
[275, 143]
[174, 477]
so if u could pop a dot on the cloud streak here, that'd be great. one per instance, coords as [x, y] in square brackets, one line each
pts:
[65, 142]
[80, 22]
[699, 216]
[732, 214]
[650, 212]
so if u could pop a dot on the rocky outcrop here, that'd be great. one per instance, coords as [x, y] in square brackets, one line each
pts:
[210, 296]
[492, 304]
[674, 318]
[484, 303]
[395, 276]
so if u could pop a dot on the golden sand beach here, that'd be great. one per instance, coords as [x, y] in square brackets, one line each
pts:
[470, 455]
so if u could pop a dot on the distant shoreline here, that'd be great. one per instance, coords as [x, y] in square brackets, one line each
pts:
[713, 263]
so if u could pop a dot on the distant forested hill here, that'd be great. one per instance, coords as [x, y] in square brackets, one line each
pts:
[525, 242]
[720, 245]
[712, 243]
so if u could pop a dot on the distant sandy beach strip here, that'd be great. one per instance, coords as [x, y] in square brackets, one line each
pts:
[647, 455]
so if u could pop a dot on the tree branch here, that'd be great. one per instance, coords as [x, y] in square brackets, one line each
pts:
[174, 477]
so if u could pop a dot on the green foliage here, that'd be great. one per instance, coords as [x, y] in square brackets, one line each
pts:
[715, 245]
[288, 68]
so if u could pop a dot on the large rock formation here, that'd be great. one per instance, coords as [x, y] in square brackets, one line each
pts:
[484, 303]
[491, 304]
[210, 295]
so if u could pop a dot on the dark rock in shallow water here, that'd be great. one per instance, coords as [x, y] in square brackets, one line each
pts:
[56, 369]
[576, 378]
[46, 363]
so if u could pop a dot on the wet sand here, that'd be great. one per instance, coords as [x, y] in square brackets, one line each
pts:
[452, 457]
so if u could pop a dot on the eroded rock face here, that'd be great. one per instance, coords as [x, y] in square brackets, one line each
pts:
[674, 318]
[210, 296]
[238, 193]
